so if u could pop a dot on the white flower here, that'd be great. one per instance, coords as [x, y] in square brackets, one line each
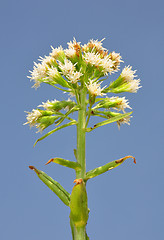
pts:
[32, 117]
[67, 67]
[70, 53]
[92, 58]
[52, 73]
[97, 44]
[56, 51]
[123, 121]
[122, 103]
[115, 56]
[128, 74]
[74, 76]
[107, 65]
[117, 59]
[95, 59]
[94, 44]
[39, 72]
[73, 44]
[94, 88]
[47, 105]
[46, 60]
[134, 86]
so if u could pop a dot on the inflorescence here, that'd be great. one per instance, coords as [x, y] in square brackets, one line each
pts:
[77, 67]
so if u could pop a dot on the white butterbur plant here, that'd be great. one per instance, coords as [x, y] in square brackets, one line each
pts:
[81, 71]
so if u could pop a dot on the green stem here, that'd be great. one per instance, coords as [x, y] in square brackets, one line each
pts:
[81, 135]
[80, 233]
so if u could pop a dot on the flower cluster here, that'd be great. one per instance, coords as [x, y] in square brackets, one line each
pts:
[94, 88]
[84, 66]
[116, 103]
[126, 82]
[41, 119]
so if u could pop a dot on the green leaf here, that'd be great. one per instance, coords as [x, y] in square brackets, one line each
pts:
[66, 163]
[55, 130]
[53, 185]
[97, 171]
[110, 120]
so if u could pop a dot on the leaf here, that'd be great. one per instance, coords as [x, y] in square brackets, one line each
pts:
[97, 171]
[110, 120]
[53, 185]
[66, 163]
[55, 130]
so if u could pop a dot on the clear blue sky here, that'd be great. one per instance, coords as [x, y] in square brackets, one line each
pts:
[127, 202]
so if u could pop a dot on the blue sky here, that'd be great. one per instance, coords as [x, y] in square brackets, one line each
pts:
[125, 203]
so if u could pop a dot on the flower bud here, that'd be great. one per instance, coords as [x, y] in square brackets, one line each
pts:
[46, 121]
[113, 102]
[58, 105]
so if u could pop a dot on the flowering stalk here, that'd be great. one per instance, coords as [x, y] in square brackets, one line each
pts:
[81, 71]
[80, 231]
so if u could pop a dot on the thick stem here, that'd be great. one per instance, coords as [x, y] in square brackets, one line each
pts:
[80, 233]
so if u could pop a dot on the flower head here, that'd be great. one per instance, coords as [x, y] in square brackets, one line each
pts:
[73, 44]
[94, 88]
[47, 60]
[48, 105]
[52, 73]
[70, 52]
[32, 117]
[67, 67]
[56, 52]
[128, 74]
[133, 86]
[92, 59]
[74, 76]
[121, 103]
[39, 72]
[107, 65]
[123, 121]
[94, 46]
[117, 59]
